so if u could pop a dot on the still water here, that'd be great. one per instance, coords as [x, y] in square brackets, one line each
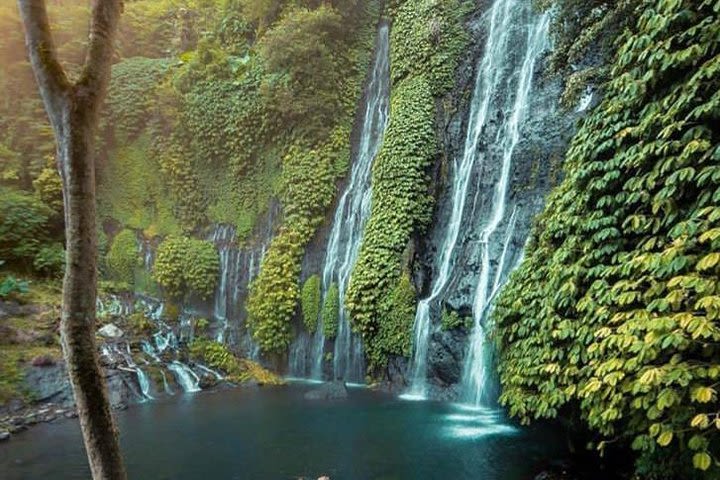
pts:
[274, 433]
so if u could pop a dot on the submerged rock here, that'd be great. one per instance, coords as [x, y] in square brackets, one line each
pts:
[328, 391]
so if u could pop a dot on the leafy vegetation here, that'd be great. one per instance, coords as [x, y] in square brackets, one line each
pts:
[331, 312]
[219, 357]
[186, 265]
[451, 320]
[310, 302]
[426, 41]
[315, 156]
[123, 259]
[614, 312]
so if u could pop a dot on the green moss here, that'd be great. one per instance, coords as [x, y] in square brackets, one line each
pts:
[132, 190]
[331, 312]
[310, 302]
[217, 356]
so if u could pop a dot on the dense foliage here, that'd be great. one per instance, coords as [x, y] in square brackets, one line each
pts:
[426, 41]
[238, 370]
[614, 312]
[122, 259]
[24, 226]
[186, 265]
[316, 153]
[331, 312]
[310, 303]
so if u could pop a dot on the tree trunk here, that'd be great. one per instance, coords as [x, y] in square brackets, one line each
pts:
[73, 109]
[76, 163]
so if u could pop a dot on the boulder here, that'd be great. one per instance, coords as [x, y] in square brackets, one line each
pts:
[110, 331]
[207, 380]
[49, 383]
[328, 391]
[43, 361]
[4, 436]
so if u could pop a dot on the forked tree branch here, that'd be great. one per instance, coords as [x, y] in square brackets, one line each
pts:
[51, 78]
[94, 78]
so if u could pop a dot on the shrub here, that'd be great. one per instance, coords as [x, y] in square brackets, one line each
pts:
[23, 225]
[11, 286]
[123, 258]
[219, 357]
[310, 302]
[50, 260]
[186, 265]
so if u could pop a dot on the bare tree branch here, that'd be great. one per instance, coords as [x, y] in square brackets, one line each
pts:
[93, 80]
[54, 84]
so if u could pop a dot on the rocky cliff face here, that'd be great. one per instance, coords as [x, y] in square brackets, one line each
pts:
[535, 168]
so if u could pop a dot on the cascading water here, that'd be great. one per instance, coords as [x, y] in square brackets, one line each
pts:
[238, 267]
[187, 379]
[476, 365]
[223, 237]
[349, 222]
[144, 383]
[516, 39]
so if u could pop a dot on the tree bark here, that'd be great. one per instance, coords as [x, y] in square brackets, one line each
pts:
[72, 109]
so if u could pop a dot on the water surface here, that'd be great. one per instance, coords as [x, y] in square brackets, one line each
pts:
[274, 433]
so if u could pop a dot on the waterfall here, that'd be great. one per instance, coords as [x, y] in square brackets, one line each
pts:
[516, 39]
[238, 267]
[349, 222]
[223, 236]
[187, 379]
[476, 365]
[144, 383]
[166, 385]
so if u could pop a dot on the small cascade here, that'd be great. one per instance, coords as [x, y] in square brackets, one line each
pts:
[188, 380]
[223, 236]
[144, 383]
[238, 267]
[166, 385]
[150, 351]
[349, 222]
[516, 39]
[299, 356]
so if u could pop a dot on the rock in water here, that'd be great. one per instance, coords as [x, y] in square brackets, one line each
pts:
[328, 391]
[4, 436]
[110, 331]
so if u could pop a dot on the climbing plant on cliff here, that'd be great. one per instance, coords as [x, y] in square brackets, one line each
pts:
[615, 311]
[311, 299]
[123, 258]
[401, 206]
[427, 39]
[316, 120]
